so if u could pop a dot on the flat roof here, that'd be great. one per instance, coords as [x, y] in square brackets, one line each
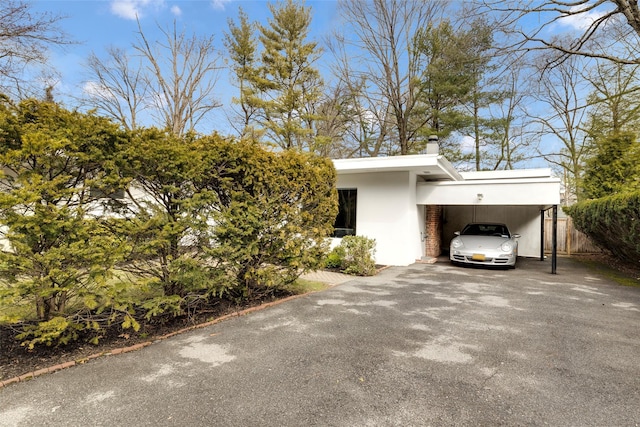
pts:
[508, 174]
[431, 166]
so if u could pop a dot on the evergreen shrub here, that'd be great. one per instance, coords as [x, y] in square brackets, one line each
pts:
[354, 255]
[612, 222]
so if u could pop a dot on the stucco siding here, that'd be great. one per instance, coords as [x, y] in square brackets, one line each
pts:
[387, 212]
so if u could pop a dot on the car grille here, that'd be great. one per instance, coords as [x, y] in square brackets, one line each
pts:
[487, 260]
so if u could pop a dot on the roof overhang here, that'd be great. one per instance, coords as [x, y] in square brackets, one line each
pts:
[431, 167]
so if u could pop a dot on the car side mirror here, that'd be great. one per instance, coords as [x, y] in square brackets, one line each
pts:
[457, 233]
[516, 236]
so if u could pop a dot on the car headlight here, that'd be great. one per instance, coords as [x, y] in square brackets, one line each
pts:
[456, 243]
[507, 247]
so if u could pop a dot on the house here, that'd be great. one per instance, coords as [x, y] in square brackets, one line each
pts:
[412, 205]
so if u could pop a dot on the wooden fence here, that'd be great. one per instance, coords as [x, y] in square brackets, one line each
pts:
[570, 241]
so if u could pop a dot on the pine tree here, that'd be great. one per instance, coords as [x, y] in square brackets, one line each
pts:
[287, 83]
[615, 167]
[243, 51]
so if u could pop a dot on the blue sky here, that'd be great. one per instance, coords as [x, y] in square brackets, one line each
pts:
[98, 24]
[95, 25]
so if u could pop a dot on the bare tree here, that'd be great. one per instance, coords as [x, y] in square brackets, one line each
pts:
[173, 80]
[181, 76]
[601, 25]
[329, 118]
[613, 99]
[119, 89]
[343, 128]
[561, 93]
[378, 41]
[25, 36]
[512, 139]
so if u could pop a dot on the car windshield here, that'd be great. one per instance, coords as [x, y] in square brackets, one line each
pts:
[485, 230]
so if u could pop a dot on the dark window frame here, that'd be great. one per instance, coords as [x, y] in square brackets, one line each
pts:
[345, 222]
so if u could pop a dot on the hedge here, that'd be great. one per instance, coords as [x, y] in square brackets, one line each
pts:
[612, 222]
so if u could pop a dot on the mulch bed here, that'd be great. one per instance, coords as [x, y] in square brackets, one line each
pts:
[17, 360]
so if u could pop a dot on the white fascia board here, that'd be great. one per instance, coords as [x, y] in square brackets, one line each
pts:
[480, 182]
[507, 174]
[409, 163]
[448, 168]
[374, 164]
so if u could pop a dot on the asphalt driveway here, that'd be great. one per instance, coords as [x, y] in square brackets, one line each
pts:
[419, 345]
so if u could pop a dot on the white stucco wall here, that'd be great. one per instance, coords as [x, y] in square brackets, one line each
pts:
[387, 212]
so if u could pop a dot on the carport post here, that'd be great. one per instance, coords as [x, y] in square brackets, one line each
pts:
[542, 235]
[554, 240]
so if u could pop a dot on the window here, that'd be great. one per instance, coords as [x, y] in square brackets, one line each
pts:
[345, 224]
[485, 230]
[98, 193]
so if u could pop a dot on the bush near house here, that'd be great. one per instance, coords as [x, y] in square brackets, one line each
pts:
[165, 219]
[612, 222]
[216, 220]
[272, 213]
[614, 168]
[354, 255]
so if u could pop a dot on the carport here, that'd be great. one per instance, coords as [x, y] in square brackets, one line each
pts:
[517, 198]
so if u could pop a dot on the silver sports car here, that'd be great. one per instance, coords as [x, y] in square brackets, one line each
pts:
[484, 244]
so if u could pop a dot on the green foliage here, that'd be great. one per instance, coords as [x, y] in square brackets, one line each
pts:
[272, 213]
[166, 224]
[205, 218]
[58, 257]
[58, 330]
[447, 79]
[334, 259]
[354, 255]
[242, 48]
[612, 222]
[614, 168]
[278, 92]
[455, 86]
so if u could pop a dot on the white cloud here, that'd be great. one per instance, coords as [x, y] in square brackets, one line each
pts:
[219, 4]
[95, 89]
[581, 21]
[467, 144]
[176, 11]
[126, 9]
[134, 9]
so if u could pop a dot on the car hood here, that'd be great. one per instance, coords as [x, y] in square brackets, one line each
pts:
[483, 241]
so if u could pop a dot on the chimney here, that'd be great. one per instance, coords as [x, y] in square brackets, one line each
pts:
[432, 145]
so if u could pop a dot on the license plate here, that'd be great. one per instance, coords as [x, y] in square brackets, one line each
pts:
[477, 257]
